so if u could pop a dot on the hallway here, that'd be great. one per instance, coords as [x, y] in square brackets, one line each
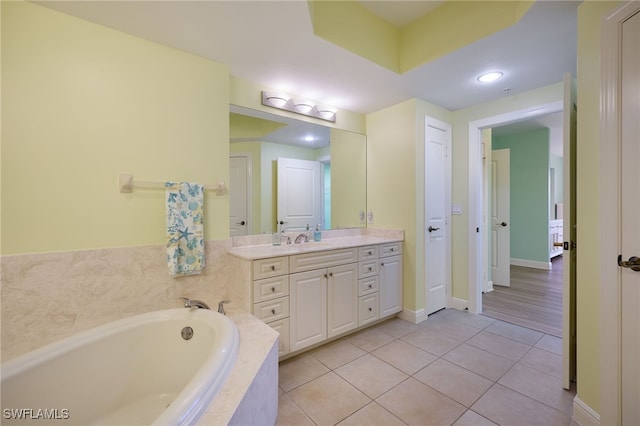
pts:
[534, 299]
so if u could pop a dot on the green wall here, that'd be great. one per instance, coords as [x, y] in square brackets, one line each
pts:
[529, 207]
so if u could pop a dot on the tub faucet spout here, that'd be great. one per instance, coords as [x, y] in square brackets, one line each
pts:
[221, 306]
[188, 303]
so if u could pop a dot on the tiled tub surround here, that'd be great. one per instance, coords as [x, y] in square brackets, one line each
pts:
[47, 297]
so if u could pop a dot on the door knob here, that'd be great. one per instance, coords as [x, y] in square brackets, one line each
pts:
[503, 224]
[633, 263]
[431, 228]
[241, 223]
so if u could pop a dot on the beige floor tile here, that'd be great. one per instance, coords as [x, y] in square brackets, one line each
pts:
[456, 382]
[417, 404]
[370, 339]
[515, 332]
[404, 356]
[371, 376]
[336, 354]
[298, 371]
[372, 415]
[544, 361]
[451, 329]
[539, 386]
[471, 418]
[289, 414]
[499, 345]
[328, 399]
[397, 327]
[431, 341]
[473, 320]
[480, 362]
[507, 407]
[551, 344]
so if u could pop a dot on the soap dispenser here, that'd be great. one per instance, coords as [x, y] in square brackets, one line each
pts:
[317, 235]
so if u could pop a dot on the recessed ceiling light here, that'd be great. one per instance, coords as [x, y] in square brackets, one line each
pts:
[490, 76]
[309, 138]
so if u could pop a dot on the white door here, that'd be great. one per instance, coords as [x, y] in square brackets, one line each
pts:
[239, 194]
[569, 234]
[299, 193]
[437, 204]
[500, 217]
[629, 220]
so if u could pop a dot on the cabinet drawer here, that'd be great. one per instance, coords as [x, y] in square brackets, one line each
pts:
[270, 288]
[368, 269]
[366, 253]
[368, 285]
[282, 327]
[272, 267]
[391, 249]
[325, 259]
[272, 310]
[368, 309]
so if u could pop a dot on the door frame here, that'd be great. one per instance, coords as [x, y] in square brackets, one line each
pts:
[476, 233]
[610, 326]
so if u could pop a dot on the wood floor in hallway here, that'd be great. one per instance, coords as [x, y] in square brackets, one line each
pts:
[534, 299]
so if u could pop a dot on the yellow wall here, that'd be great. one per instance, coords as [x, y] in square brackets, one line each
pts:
[590, 15]
[83, 104]
[349, 173]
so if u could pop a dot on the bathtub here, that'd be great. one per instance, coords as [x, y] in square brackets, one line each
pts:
[136, 371]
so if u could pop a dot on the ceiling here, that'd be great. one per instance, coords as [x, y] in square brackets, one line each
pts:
[272, 43]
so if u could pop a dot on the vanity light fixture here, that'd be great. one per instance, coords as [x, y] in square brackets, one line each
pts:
[490, 76]
[299, 106]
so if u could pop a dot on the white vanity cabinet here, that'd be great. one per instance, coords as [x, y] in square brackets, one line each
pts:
[324, 301]
[390, 278]
[271, 296]
[315, 296]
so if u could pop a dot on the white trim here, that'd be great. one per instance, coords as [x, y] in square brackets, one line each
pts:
[531, 264]
[489, 287]
[610, 340]
[415, 317]
[459, 304]
[476, 266]
[583, 414]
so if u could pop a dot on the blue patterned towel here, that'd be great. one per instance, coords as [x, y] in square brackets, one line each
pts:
[185, 228]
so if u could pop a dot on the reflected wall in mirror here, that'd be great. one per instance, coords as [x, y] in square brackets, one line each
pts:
[258, 139]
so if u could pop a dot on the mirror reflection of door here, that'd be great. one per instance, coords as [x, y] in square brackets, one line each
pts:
[299, 194]
[239, 194]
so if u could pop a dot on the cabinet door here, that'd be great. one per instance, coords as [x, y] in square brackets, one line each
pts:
[342, 304]
[308, 317]
[390, 285]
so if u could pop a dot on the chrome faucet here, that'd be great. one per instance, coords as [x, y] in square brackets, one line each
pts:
[221, 306]
[188, 303]
[301, 238]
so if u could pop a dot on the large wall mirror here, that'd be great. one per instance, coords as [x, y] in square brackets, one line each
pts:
[287, 174]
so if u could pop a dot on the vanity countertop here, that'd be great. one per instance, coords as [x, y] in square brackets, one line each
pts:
[263, 251]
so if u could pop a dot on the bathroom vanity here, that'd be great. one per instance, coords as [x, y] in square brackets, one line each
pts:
[317, 291]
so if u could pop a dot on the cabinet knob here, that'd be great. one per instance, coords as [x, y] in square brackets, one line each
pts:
[370, 286]
[392, 249]
[370, 269]
[370, 252]
[273, 311]
[273, 267]
[273, 289]
[382, 264]
[330, 274]
[370, 309]
[326, 276]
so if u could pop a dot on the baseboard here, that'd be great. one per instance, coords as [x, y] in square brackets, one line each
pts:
[531, 264]
[583, 414]
[459, 304]
[413, 316]
[488, 288]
